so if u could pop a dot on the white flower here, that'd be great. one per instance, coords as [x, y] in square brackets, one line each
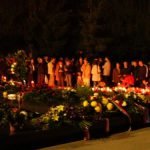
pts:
[96, 94]
[11, 96]
[23, 113]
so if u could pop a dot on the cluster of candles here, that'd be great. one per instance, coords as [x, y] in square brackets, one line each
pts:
[139, 90]
[12, 69]
[123, 89]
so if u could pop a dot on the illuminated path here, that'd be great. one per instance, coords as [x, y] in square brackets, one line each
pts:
[133, 140]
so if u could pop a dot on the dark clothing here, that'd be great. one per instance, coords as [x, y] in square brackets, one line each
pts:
[40, 74]
[30, 73]
[125, 71]
[45, 67]
[40, 69]
[3, 67]
[68, 75]
[61, 75]
[134, 71]
[78, 67]
[141, 73]
[116, 76]
[106, 79]
[68, 69]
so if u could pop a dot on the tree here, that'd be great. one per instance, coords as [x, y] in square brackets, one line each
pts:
[48, 25]
[94, 29]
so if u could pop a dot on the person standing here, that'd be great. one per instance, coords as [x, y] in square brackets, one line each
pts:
[51, 72]
[79, 64]
[141, 72]
[45, 65]
[68, 73]
[134, 72]
[30, 72]
[96, 76]
[86, 72]
[126, 70]
[60, 73]
[116, 74]
[40, 72]
[106, 71]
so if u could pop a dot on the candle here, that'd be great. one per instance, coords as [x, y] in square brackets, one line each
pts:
[32, 83]
[24, 82]
[4, 79]
[5, 94]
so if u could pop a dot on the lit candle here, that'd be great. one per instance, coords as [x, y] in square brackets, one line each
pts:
[14, 63]
[24, 82]
[5, 94]
[32, 83]
[143, 91]
[4, 79]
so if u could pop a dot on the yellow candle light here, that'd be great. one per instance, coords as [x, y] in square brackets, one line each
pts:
[5, 94]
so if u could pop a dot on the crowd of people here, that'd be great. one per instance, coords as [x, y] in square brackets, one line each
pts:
[83, 71]
[96, 72]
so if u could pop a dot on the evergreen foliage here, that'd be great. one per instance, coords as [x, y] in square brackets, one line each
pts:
[93, 25]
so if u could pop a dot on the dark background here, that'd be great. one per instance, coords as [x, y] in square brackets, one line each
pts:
[120, 29]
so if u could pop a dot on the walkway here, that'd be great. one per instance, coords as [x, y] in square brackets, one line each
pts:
[133, 140]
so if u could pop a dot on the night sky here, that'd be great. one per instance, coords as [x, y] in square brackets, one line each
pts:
[63, 27]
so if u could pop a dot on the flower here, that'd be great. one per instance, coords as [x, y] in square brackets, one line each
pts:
[45, 119]
[110, 106]
[55, 118]
[91, 98]
[93, 103]
[96, 94]
[53, 115]
[85, 103]
[126, 95]
[23, 113]
[124, 104]
[104, 100]
[60, 108]
[141, 96]
[98, 108]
